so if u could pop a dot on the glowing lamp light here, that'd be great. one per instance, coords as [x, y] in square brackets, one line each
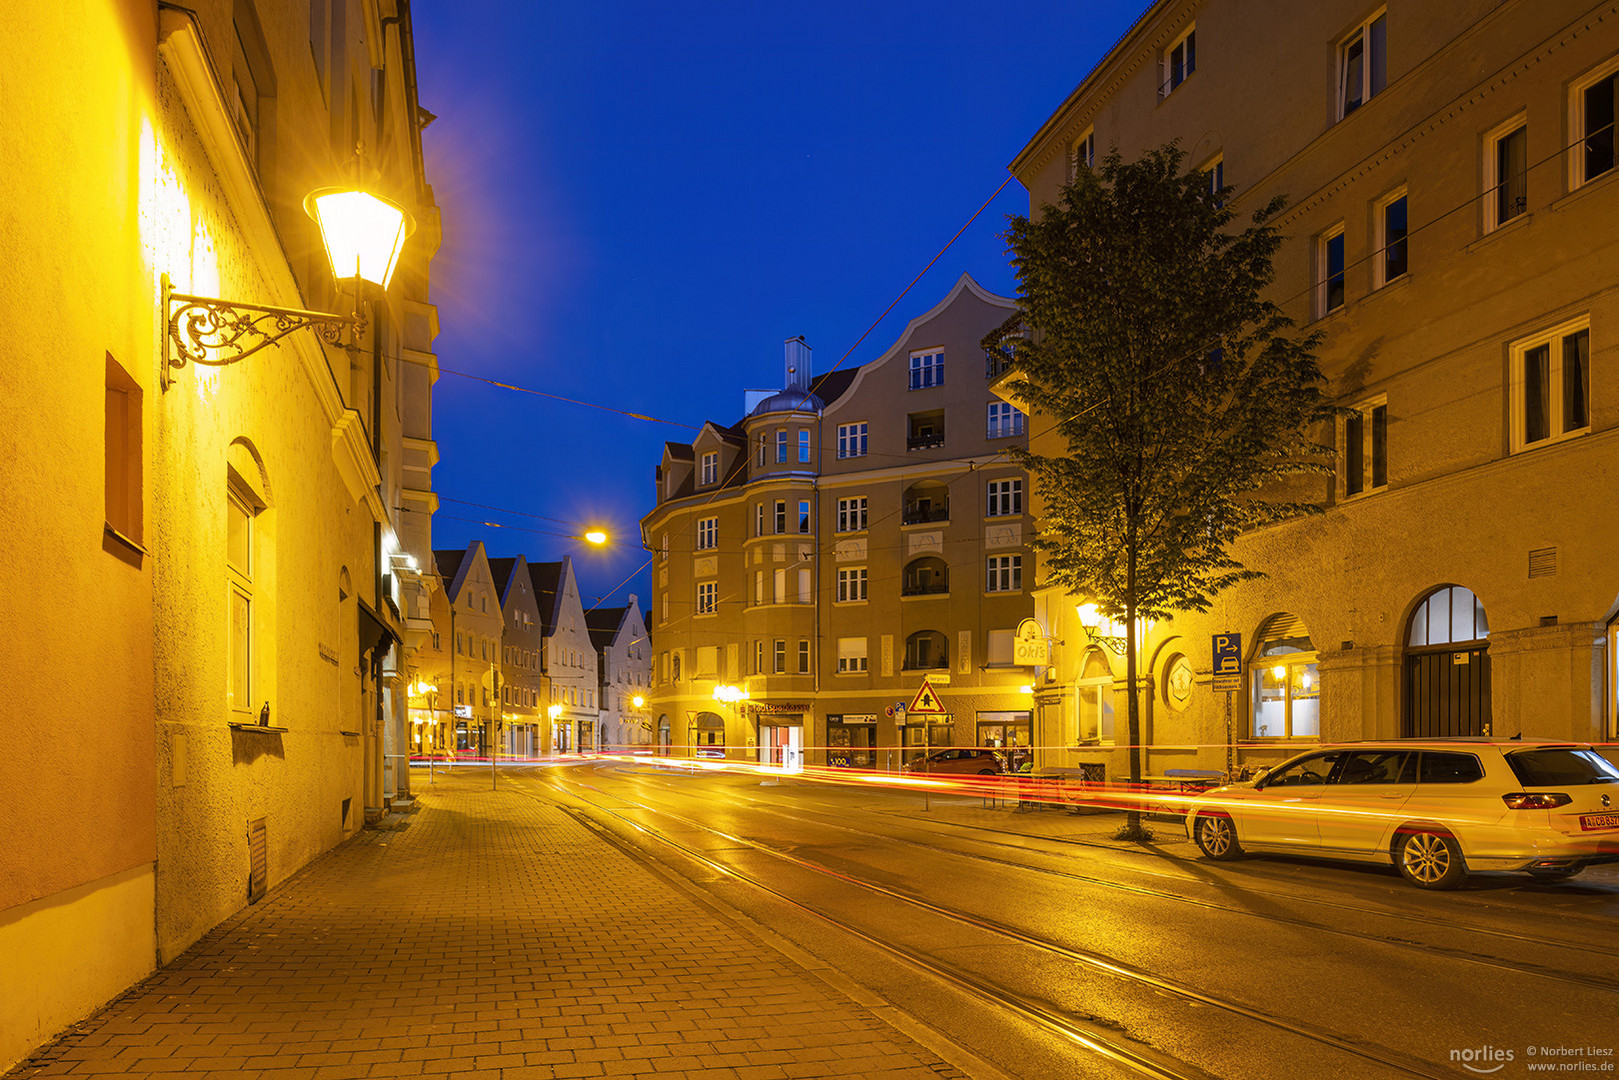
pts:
[1025, 689]
[730, 693]
[554, 711]
[1280, 671]
[363, 232]
[638, 701]
[596, 536]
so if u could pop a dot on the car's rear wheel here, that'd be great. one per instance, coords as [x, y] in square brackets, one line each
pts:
[1430, 859]
[1554, 873]
[1217, 837]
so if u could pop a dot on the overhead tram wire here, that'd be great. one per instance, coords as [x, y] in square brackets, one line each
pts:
[1465, 204]
[1303, 294]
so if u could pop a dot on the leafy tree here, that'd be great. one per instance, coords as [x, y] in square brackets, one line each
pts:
[1184, 398]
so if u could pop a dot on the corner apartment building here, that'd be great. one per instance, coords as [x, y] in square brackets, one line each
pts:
[228, 605]
[1452, 186]
[851, 535]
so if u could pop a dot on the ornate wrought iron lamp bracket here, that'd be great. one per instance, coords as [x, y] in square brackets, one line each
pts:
[197, 324]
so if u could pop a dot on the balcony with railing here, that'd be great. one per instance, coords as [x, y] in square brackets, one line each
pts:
[926, 650]
[927, 576]
[925, 431]
[925, 502]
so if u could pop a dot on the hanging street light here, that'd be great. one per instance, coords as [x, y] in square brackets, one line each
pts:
[363, 234]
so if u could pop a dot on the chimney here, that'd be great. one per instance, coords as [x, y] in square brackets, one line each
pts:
[798, 364]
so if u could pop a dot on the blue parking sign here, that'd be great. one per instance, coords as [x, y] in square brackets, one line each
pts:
[1227, 667]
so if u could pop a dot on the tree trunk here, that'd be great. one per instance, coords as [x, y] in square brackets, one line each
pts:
[1132, 822]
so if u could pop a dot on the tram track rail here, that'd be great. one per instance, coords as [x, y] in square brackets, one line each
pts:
[1093, 1037]
[1598, 982]
[1033, 843]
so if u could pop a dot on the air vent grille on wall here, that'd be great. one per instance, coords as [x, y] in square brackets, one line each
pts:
[1543, 562]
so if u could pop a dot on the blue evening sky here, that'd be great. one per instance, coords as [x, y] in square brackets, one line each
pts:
[642, 201]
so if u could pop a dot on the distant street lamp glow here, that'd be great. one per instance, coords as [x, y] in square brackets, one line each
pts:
[554, 711]
[730, 693]
[638, 701]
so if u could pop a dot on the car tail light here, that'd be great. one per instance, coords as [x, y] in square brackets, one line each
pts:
[1535, 800]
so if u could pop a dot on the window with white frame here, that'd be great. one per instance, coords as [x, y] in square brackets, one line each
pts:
[803, 446]
[1005, 498]
[759, 657]
[803, 516]
[1391, 224]
[1005, 421]
[781, 447]
[852, 440]
[711, 468]
[759, 519]
[1506, 173]
[780, 656]
[1178, 62]
[1083, 154]
[781, 516]
[1551, 383]
[1363, 448]
[1005, 574]
[707, 595]
[852, 514]
[1362, 64]
[851, 655]
[851, 584]
[803, 656]
[1329, 270]
[1593, 105]
[1215, 172]
[708, 533]
[760, 456]
[1093, 701]
[927, 369]
[239, 570]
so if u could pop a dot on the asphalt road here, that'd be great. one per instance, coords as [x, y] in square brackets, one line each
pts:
[1030, 944]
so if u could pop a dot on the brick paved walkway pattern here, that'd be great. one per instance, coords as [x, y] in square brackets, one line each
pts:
[496, 936]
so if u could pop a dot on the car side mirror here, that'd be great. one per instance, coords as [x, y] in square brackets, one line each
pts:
[1260, 777]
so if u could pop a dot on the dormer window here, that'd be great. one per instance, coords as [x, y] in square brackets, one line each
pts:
[711, 468]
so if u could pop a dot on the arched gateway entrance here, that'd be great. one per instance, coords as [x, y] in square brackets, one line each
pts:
[1447, 666]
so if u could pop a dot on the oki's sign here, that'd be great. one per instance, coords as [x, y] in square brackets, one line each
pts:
[1029, 646]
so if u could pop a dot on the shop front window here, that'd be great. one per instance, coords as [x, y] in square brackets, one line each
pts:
[1286, 685]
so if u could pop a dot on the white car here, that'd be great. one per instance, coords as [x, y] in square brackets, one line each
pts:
[1435, 809]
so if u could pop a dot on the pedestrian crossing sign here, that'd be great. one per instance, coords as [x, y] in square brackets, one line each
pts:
[926, 702]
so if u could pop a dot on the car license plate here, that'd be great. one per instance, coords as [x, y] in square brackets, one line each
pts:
[1599, 821]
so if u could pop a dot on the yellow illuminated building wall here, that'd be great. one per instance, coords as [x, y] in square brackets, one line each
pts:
[177, 560]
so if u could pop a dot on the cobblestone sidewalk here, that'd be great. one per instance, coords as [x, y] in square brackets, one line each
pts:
[495, 936]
